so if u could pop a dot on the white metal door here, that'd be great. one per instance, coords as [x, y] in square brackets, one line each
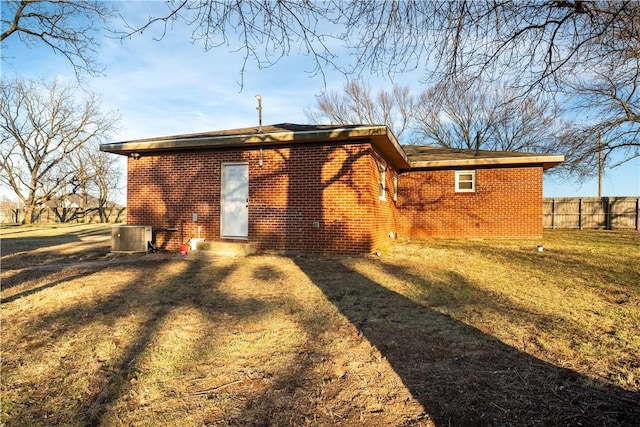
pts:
[234, 221]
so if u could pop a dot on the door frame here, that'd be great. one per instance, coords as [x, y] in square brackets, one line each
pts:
[222, 199]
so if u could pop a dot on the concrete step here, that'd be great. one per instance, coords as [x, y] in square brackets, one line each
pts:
[227, 248]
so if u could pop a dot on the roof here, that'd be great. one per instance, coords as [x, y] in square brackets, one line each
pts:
[426, 157]
[285, 133]
[402, 157]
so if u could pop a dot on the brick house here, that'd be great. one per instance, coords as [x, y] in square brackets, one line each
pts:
[328, 189]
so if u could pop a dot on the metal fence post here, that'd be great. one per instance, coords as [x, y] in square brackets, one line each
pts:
[580, 214]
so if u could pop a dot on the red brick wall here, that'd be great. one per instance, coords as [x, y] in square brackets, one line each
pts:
[324, 198]
[507, 203]
[312, 198]
[385, 211]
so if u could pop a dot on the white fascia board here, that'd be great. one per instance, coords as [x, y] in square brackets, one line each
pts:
[549, 161]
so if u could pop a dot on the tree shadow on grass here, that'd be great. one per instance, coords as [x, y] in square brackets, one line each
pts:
[19, 279]
[13, 243]
[151, 295]
[582, 263]
[189, 289]
[55, 256]
[459, 374]
[322, 382]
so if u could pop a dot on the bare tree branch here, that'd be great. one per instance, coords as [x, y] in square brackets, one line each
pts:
[359, 105]
[68, 27]
[264, 31]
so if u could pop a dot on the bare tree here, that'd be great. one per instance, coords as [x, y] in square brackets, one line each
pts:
[358, 105]
[451, 115]
[106, 181]
[9, 210]
[466, 114]
[606, 102]
[456, 114]
[41, 125]
[96, 175]
[68, 27]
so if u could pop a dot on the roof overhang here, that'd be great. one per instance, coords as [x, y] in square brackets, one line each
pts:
[430, 157]
[547, 161]
[403, 158]
[380, 136]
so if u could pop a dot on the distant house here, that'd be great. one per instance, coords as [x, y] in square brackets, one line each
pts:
[81, 208]
[328, 189]
[78, 201]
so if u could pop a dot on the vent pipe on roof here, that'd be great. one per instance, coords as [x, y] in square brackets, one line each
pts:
[259, 108]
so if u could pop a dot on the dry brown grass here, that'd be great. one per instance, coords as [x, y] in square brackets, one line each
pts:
[430, 333]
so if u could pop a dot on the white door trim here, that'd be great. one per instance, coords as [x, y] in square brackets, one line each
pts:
[234, 201]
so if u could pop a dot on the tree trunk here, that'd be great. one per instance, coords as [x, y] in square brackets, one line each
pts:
[28, 214]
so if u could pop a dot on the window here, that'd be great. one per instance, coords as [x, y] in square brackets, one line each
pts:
[395, 188]
[465, 181]
[382, 176]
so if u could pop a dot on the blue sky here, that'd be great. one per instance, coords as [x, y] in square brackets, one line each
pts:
[173, 86]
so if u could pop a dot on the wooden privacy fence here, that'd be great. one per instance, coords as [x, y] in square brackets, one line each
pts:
[610, 213]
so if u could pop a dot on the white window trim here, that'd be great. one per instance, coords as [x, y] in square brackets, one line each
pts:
[395, 188]
[382, 183]
[473, 182]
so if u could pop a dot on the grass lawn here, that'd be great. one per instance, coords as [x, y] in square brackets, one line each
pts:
[433, 332]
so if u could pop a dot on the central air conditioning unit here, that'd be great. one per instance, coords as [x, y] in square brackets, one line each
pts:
[131, 238]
